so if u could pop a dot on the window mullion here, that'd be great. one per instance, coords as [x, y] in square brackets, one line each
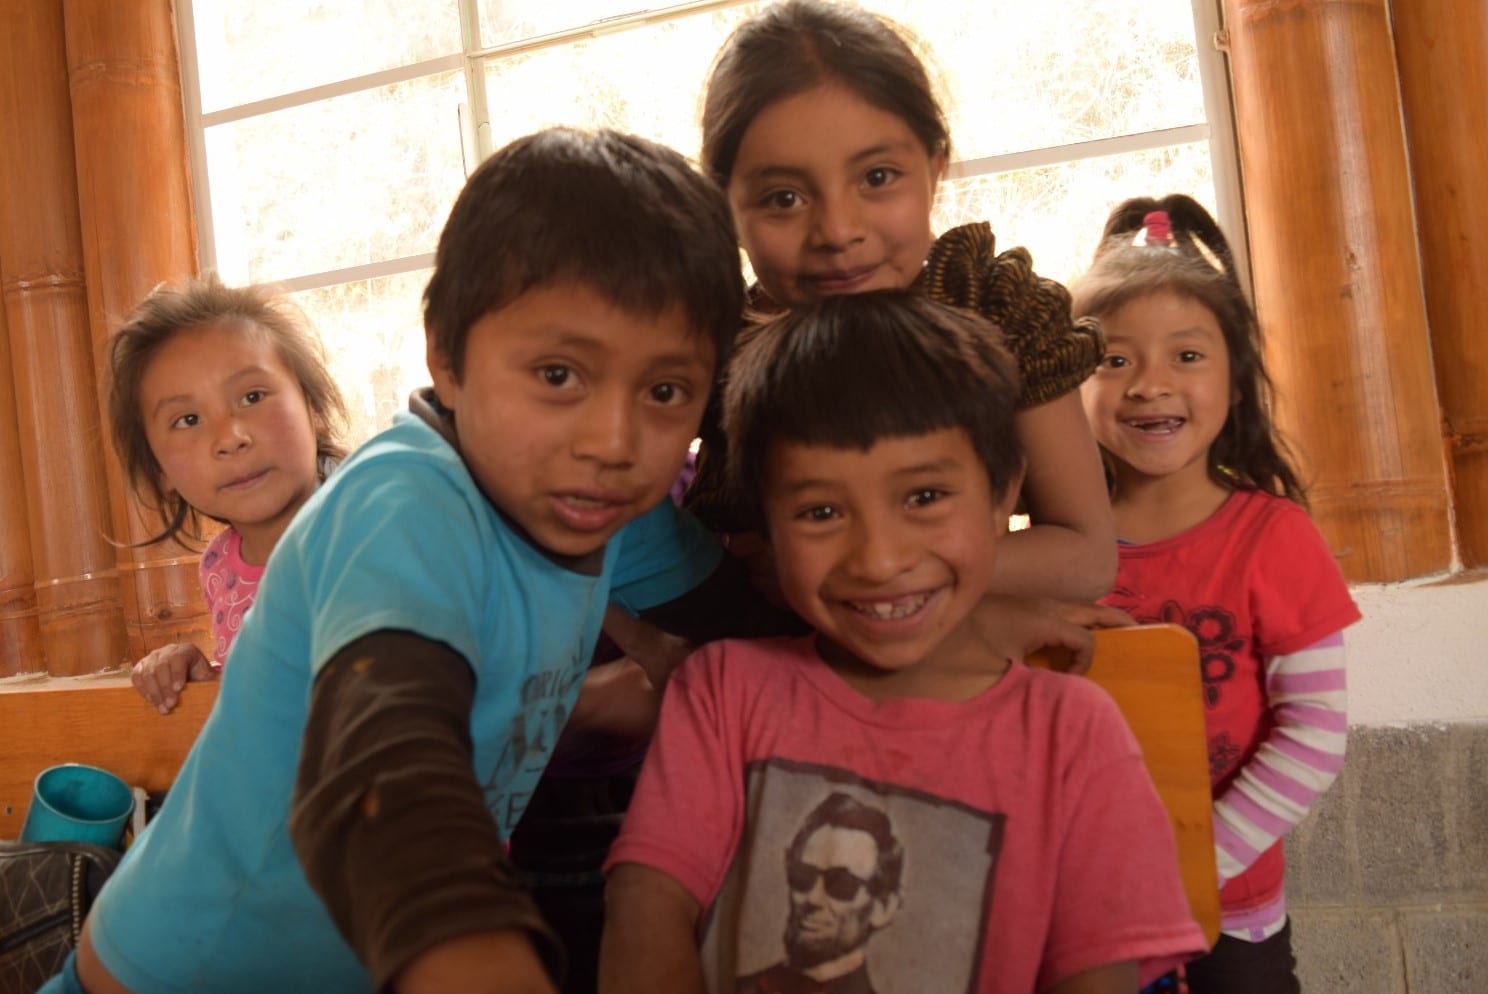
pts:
[1055, 155]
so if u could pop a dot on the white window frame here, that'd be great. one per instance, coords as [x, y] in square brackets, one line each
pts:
[476, 131]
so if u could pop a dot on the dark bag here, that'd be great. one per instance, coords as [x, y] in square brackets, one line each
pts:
[46, 889]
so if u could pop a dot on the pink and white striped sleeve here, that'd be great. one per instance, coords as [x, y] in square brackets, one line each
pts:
[1295, 764]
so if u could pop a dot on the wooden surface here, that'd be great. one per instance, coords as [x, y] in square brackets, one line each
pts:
[1338, 284]
[1442, 49]
[1152, 672]
[60, 482]
[100, 722]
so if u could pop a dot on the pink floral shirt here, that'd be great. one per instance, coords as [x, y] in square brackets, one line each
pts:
[229, 585]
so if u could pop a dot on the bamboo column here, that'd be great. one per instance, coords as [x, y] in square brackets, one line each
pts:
[20, 637]
[138, 230]
[1337, 275]
[41, 277]
[1442, 47]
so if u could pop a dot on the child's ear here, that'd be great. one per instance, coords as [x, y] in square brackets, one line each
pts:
[938, 166]
[440, 369]
[1007, 504]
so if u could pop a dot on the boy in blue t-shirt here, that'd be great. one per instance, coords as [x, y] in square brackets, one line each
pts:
[425, 623]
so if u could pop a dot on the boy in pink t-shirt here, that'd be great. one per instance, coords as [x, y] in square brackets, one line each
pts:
[880, 806]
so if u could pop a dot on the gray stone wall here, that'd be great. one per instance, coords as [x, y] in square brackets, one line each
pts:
[1387, 878]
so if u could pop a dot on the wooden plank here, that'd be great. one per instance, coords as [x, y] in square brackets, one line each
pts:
[1152, 672]
[103, 722]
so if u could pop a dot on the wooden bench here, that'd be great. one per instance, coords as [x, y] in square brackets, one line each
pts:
[101, 721]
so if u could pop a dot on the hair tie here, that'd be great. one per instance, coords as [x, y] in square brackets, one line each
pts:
[1157, 230]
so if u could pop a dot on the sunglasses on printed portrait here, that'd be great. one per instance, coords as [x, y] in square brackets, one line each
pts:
[839, 883]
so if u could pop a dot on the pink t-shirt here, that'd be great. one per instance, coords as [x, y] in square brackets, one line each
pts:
[1032, 843]
[229, 585]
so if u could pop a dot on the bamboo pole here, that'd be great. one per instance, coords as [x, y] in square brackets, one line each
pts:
[1337, 275]
[20, 637]
[138, 230]
[41, 273]
[1442, 48]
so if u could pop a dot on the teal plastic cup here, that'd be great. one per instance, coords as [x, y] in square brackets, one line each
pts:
[77, 803]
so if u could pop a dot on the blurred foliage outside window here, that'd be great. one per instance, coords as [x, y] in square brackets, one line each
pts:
[332, 144]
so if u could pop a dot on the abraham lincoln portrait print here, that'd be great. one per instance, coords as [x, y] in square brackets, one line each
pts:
[841, 885]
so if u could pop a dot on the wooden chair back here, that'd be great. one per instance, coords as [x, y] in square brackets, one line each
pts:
[1152, 672]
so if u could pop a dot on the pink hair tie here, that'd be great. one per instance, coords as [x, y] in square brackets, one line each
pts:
[1158, 228]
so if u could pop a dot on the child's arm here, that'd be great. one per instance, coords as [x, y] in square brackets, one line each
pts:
[1069, 550]
[392, 829]
[160, 676]
[1113, 978]
[1298, 760]
[650, 942]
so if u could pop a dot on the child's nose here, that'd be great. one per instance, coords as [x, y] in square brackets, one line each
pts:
[836, 221]
[232, 437]
[605, 431]
[1148, 383]
[880, 551]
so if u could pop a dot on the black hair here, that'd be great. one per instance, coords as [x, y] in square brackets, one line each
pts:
[841, 810]
[628, 217]
[1249, 452]
[852, 369]
[795, 46]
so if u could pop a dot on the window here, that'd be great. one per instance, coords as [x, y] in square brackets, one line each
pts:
[330, 139]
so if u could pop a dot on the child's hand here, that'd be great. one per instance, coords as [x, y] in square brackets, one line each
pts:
[502, 962]
[160, 676]
[655, 651]
[1015, 627]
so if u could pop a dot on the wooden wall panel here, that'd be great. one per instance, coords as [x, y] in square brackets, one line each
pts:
[1442, 49]
[138, 230]
[20, 637]
[41, 278]
[1337, 275]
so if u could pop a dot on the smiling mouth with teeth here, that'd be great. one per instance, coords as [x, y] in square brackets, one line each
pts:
[889, 610]
[1163, 425]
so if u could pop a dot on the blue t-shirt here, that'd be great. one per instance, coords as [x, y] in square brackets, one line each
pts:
[211, 897]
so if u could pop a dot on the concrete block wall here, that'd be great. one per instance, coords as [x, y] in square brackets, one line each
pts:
[1387, 878]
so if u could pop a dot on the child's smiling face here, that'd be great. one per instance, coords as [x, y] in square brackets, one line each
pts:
[885, 551]
[1162, 392]
[574, 416]
[832, 195]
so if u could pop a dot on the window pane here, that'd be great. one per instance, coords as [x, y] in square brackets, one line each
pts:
[645, 80]
[513, 20]
[374, 337]
[361, 178]
[249, 51]
[1076, 71]
[1057, 212]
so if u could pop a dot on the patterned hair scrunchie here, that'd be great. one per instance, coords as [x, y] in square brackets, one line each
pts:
[1055, 352]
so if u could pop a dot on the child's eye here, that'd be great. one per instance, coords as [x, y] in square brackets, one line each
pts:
[880, 176]
[781, 200]
[1189, 355]
[817, 512]
[924, 497]
[556, 376]
[253, 397]
[1113, 361]
[668, 393]
[186, 421]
